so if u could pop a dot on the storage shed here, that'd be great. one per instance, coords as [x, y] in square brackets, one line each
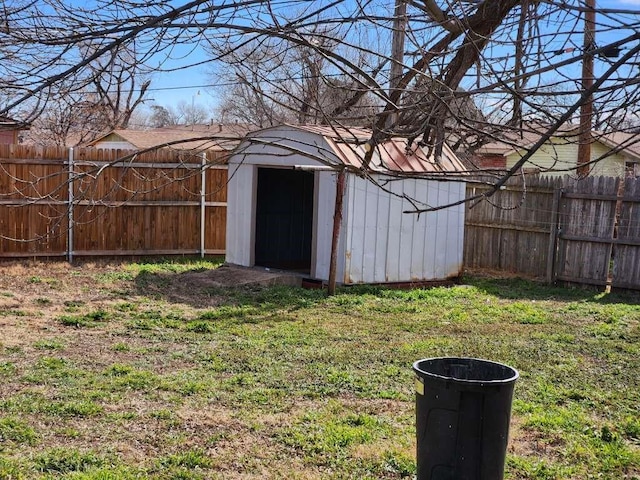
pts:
[282, 197]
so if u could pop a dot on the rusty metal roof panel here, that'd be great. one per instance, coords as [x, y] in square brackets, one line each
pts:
[394, 156]
[351, 155]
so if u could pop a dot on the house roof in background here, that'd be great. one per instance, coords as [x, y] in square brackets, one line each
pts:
[515, 140]
[182, 137]
[7, 123]
[627, 143]
[349, 146]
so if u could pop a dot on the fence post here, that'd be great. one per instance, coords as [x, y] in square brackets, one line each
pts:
[553, 235]
[70, 197]
[203, 203]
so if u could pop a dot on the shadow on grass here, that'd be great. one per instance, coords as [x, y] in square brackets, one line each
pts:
[201, 288]
[517, 288]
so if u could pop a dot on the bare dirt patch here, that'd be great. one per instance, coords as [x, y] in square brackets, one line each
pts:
[27, 286]
[201, 288]
[233, 276]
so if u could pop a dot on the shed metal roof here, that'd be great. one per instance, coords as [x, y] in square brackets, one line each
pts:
[393, 155]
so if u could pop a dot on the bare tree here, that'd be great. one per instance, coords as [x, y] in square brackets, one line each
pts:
[93, 102]
[276, 81]
[249, 88]
[185, 113]
[489, 53]
[245, 102]
[120, 83]
[160, 117]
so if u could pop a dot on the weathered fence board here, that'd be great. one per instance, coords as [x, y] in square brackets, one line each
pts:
[585, 231]
[626, 261]
[510, 231]
[56, 202]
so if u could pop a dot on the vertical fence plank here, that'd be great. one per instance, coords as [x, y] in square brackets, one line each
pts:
[553, 235]
[626, 261]
[510, 230]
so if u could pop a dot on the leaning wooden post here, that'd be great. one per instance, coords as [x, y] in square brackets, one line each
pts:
[337, 220]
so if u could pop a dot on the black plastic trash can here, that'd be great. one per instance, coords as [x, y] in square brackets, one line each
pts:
[463, 407]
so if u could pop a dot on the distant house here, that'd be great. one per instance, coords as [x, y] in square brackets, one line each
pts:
[10, 130]
[615, 154]
[282, 196]
[192, 137]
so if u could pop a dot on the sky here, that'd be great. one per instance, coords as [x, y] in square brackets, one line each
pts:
[189, 85]
[195, 84]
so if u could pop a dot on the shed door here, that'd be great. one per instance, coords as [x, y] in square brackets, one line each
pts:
[284, 219]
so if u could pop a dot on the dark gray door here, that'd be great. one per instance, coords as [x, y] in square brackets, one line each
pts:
[284, 218]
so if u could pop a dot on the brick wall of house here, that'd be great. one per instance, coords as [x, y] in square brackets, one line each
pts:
[8, 137]
[490, 161]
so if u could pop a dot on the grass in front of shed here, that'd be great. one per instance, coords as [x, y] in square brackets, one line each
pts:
[153, 375]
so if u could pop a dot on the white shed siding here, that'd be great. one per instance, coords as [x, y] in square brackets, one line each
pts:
[325, 202]
[361, 213]
[382, 237]
[241, 193]
[394, 232]
[447, 231]
[385, 245]
[561, 156]
[408, 224]
[430, 225]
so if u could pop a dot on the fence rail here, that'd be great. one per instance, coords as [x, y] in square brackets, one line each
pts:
[76, 202]
[585, 231]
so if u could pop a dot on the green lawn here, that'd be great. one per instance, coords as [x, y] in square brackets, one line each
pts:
[138, 371]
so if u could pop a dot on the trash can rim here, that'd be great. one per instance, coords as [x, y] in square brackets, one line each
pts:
[510, 379]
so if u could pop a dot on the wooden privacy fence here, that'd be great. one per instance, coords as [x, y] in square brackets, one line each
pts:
[84, 201]
[585, 231]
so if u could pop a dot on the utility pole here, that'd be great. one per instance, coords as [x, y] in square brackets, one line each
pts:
[586, 109]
